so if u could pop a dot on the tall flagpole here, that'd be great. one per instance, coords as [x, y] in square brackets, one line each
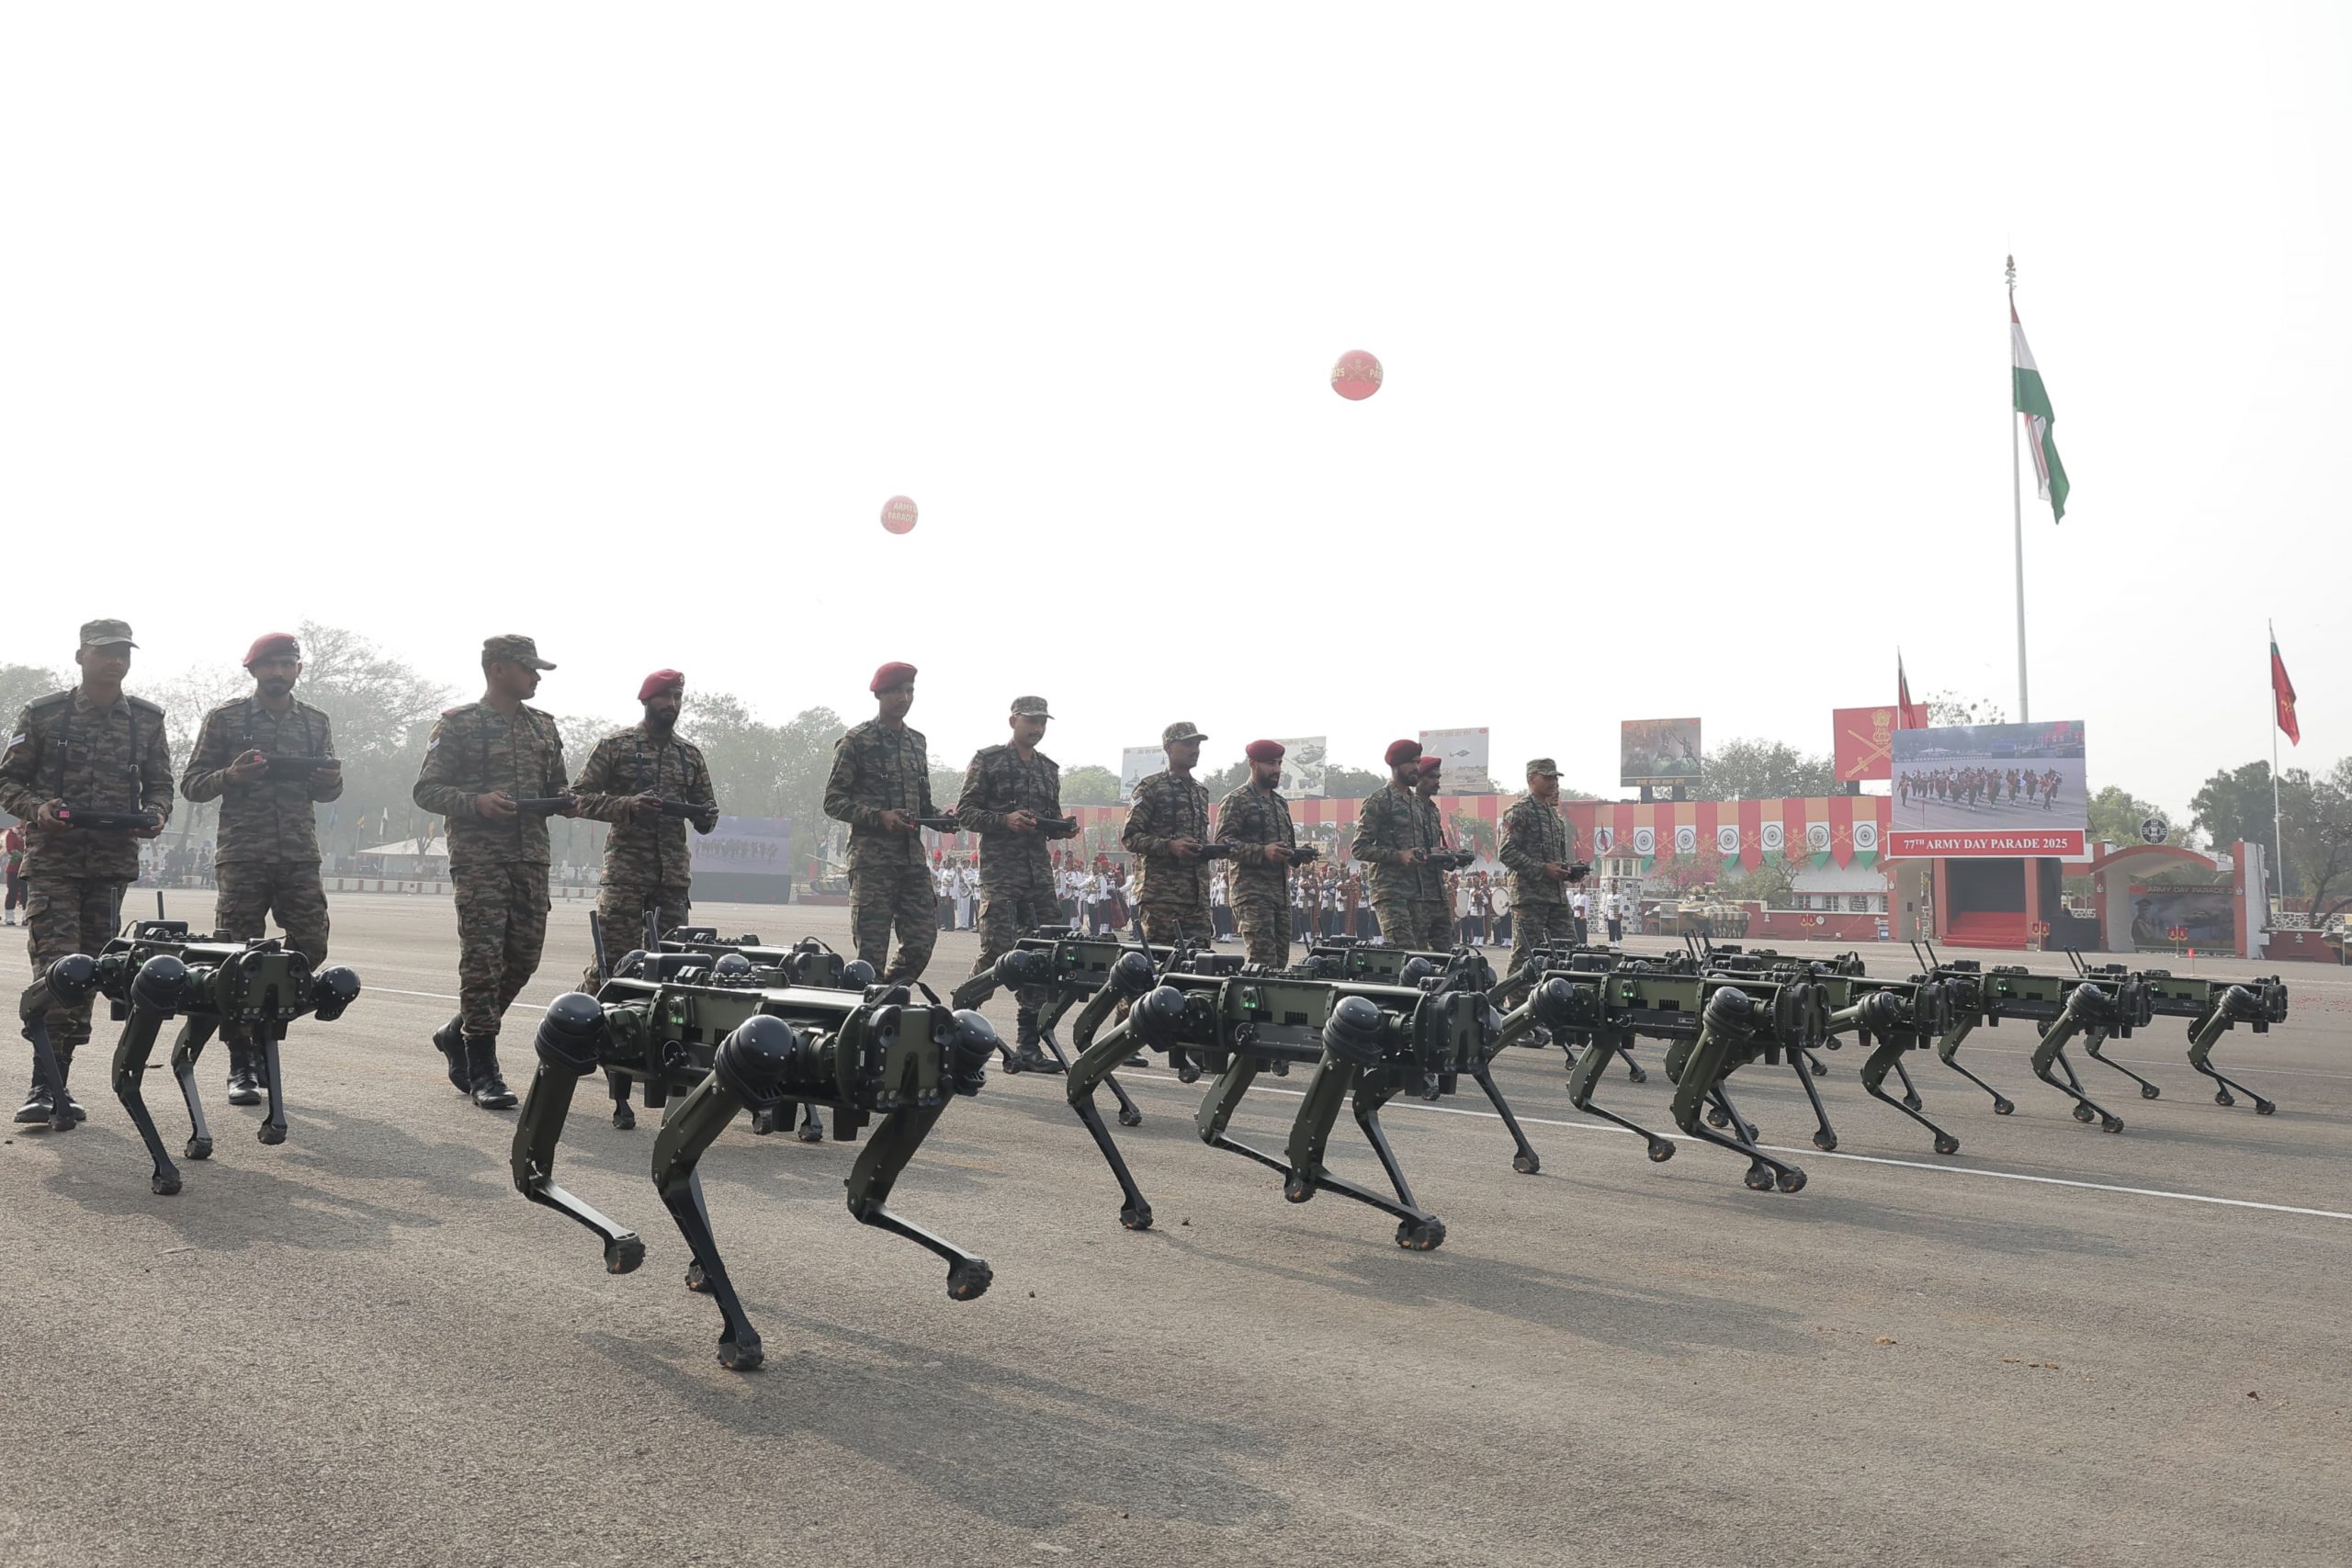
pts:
[2016, 494]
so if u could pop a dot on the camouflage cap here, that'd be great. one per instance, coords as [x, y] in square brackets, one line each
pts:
[1180, 730]
[1030, 707]
[513, 648]
[98, 634]
[1545, 765]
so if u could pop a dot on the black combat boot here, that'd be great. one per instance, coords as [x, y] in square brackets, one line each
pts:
[1028, 1058]
[490, 1090]
[451, 1040]
[37, 1105]
[245, 1074]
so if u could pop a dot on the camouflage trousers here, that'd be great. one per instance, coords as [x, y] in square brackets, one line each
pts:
[502, 927]
[888, 893]
[1161, 919]
[620, 920]
[1265, 919]
[251, 891]
[66, 915]
[1535, 925]
[1414, 924]
[1011, 908]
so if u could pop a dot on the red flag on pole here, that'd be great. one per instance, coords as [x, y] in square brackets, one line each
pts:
[1908, 715]
[2282, 692]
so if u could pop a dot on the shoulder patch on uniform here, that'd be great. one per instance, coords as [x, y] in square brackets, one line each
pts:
[52, 699]
[142, 704]
[452, 713]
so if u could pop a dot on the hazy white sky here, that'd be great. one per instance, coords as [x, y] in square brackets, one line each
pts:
[617, 325]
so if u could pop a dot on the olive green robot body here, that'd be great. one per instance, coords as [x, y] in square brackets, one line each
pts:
[157, 971]
[727, 1043]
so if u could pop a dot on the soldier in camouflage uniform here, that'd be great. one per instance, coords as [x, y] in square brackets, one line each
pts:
[267, 858]
[1435, 905]
[648, 867]
[1536, 850]
[1393, 836]
[880, 786]
[1255, 819]
[1008, 791]
[1166, 827]
[482, 758]
[95, 748]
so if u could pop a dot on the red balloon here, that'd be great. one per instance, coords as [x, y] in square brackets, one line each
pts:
[899, 515]
[1356, 377]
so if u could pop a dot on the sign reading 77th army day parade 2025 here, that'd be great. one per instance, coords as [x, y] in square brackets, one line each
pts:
[1990, 789]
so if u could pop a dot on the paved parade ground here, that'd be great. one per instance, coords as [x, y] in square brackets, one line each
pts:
[2057, 1347]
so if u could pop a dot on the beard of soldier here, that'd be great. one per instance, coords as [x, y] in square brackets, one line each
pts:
[1266, 775]
[1028, 728]
[103, 667]
[892, 703]
[273, 676]
[662, 709]
[1425, 785]
[1405, 775]
[508, 687]
[1184, 756]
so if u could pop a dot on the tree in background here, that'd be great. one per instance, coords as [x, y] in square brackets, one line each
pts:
[2236, 804]
[1089, 785]
[1763, 770]
[21, 683]
[1343, 783]
[1950, 708]
[2116, 815]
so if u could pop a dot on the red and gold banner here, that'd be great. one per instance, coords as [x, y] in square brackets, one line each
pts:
[1863, 742]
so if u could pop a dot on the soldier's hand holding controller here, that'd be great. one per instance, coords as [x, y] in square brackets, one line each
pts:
[1021, 821]
[48, 813]
[1278, 854]
[1559, 872]
[497, 805]
[1185, 849]
[1411, 857]
[645, 809]
[896, 821]
[247, 768]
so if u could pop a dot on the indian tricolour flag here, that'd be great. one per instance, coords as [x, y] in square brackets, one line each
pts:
[2033, 402]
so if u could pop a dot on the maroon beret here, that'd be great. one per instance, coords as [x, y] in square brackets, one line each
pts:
[273, 642]
[1432, 764]
[658, 680]
[1400, 752]
[891, 675]
[1263, 751]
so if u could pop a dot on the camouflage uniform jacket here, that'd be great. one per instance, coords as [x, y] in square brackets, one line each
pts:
[1533, 838]
[997, 784]
[475, 749]
[63, 747]
[267, 820]
[1248, 817]
[876, 768]
[1387, 824]
[637, 857]
[1168, 807]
